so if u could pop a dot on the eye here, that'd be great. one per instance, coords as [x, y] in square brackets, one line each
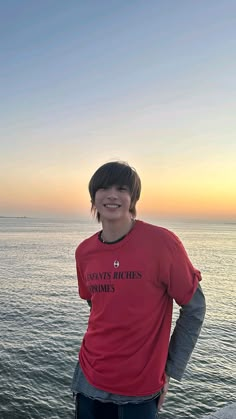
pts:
[123, 188]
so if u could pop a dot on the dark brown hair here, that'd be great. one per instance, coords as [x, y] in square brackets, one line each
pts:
[115, 173]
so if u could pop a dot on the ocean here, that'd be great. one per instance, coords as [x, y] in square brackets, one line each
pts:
[43, 320]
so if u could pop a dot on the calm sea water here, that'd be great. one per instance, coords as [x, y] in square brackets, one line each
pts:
[43, 320]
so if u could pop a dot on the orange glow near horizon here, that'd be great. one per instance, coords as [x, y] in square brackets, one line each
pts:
[192, 201]
[192, 190]
[70, 197]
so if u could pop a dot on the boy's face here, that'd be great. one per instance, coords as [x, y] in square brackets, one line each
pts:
[113, 203]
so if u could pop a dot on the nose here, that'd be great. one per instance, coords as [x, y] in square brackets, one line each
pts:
[112, 192]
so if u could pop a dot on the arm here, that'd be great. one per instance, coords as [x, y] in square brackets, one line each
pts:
[183, 339]
[185, 335]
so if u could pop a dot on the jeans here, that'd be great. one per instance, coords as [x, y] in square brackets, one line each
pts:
[86, 408]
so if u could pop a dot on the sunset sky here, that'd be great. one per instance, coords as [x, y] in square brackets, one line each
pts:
[148, 82]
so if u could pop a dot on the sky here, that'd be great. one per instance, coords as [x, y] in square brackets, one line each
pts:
[151, 83]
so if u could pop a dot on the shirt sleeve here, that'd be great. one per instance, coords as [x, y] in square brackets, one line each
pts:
[185, 334]
[82, 288]
[182, 278]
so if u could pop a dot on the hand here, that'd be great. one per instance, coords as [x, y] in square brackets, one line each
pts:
[163, 393]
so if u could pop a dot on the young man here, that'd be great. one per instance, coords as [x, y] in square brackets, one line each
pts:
[130, 272]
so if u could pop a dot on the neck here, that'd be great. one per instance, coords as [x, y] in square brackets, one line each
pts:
[113, 231]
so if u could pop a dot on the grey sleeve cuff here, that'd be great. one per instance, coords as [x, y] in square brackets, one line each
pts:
[185, 335]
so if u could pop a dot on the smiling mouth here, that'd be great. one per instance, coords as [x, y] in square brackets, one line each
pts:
[112, 206]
